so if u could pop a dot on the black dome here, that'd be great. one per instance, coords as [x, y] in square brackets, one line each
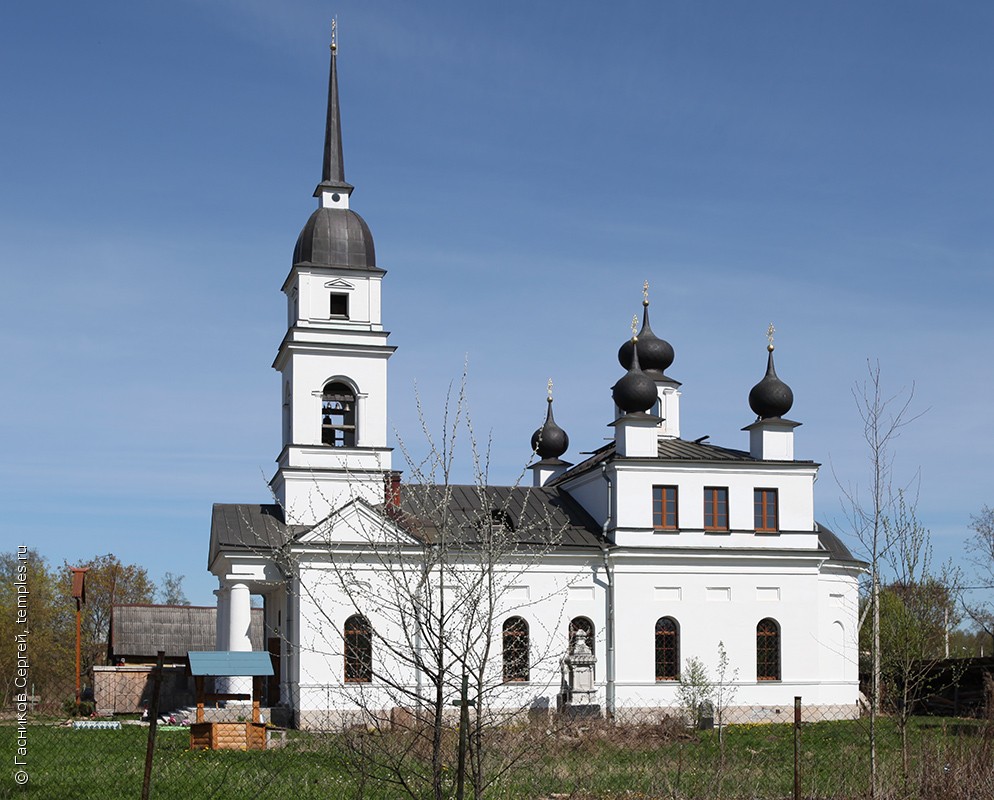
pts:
[335, 237]
[636, 391]
[550, 441]
[771, 397]
[654, 353]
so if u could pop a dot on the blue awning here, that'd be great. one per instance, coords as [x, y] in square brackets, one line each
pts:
[230, 662]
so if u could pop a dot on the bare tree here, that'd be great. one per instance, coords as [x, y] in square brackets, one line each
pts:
[867, 506]
[171, 590]
[915, 611]
[981, 549]
[434, 581]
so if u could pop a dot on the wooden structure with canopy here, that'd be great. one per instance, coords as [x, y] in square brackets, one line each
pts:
[240, 735]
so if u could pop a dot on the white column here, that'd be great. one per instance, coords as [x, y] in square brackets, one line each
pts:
[239, 617]
[221, 630]
[221, 620]
[239, 620]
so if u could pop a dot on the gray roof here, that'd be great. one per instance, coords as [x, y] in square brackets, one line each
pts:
[533, 516]
[673, 450]
[536, 517]
[336, 237]
[834, 545]
[140, 631]
[248, 526]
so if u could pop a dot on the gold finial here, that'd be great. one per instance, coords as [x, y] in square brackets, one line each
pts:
[645, 293]
[769, 337]
[334, 34]
[635, 326]
[550, 390]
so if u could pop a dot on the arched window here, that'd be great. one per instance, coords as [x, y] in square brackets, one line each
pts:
[767, 650]
[515, 641]
[667, 649]
[358, 650]
[338, 415]
[584, 626]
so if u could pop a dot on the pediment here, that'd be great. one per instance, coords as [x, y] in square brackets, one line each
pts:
[357, 523]
[339, 283]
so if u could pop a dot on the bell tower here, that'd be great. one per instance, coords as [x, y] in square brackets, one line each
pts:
[333, 358]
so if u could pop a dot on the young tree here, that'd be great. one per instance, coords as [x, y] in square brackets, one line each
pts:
[884, 417]
[694, 689]
[725, 689]
[915, 615]
[697, 688]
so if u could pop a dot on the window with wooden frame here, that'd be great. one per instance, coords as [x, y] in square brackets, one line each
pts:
[664, 508]
[716, 508]
[765, 507]
[514, 637]
[358, 650]
[667, 649]
[767, 650]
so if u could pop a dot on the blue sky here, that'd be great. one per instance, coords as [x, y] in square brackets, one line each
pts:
[523, 168]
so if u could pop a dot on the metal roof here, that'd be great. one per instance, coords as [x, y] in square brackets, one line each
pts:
[230, 662]
[248, 526]
[541, 517]
[835, 546]
[673, 450]
[336, 237]
[138, 632]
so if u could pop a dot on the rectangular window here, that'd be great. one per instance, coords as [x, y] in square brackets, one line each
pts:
[716, 508]
[664, 508]
[765, 506]
[340, 305]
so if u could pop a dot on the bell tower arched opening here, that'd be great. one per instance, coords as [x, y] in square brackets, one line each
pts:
[338, 415]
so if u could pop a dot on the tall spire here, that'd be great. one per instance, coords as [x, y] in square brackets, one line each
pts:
[333, 170]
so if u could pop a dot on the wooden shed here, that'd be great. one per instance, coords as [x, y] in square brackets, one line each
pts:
[244, 735]
[139, 631]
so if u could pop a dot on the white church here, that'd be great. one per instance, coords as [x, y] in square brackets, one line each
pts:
[650, 551]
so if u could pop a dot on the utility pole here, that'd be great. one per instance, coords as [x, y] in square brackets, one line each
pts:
[79, 595]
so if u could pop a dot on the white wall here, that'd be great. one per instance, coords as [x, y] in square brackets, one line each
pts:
[714, 597]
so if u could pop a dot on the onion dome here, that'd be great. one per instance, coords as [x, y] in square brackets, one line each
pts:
[550, 441]
[655, 354]
[771, 397]
[636, 391]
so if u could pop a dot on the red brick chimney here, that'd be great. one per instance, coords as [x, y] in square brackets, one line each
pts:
[391, 491]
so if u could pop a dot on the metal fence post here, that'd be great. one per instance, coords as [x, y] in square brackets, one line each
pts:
[153, 720]
[797, 748]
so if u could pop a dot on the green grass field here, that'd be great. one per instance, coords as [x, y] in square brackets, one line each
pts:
[756, 762]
